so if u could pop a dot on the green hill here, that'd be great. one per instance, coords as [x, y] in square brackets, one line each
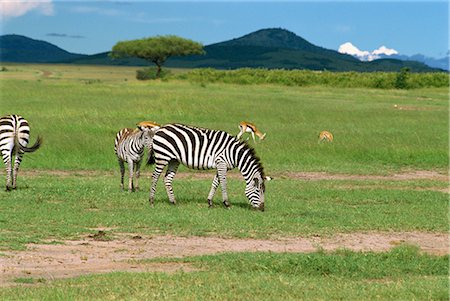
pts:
[272, 48]
[280, 48]
[21, 49]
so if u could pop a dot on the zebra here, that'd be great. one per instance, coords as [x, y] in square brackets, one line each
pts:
[199, 148]
[129, 147]
[14, 138]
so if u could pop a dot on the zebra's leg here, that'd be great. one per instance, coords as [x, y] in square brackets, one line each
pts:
[170, 174]
[8, 172]
[137, 173]
[212, 192]
[131, 172]
[122, 172]
[17, 162]
[222, 174]
[156, 173]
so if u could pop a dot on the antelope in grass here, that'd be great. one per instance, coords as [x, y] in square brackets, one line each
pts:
[325, 136]
[247, 127]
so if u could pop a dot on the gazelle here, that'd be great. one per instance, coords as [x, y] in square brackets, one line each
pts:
[248, 127]
[325, 136]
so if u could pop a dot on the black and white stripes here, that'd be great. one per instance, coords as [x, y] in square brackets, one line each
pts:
[129, 147]
[14, 138]
[199, 148]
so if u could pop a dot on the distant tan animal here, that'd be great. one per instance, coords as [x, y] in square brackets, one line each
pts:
[148, 124]
[247, 127]
[325, 136]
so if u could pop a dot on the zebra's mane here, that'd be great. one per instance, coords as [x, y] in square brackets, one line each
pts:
[252, 151]
[255, 157]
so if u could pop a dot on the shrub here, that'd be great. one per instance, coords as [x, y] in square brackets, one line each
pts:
[151, 73]
[381, 80]
[401, 79]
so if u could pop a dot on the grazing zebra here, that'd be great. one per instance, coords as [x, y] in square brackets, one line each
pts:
[14, 138]
[199, 148]
[129, 147]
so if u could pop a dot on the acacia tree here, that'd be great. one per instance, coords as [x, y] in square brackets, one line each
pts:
[157, 49]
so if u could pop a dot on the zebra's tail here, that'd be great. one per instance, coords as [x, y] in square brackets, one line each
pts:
[151, 157]
[33, 148]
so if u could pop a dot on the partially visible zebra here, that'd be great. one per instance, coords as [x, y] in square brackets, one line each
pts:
[14, 138]
[199, 148]
[129, 147]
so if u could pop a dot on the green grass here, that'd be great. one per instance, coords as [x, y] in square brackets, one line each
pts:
[78, 111]
[401, 274]
[79, 121]
[75, 205]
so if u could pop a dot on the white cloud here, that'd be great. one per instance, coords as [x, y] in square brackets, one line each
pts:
[17, 8]
[349, 48]
[364, 55]
[95, 10]
[384, 50]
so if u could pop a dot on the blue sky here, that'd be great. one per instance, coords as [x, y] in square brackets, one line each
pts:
[89, 27]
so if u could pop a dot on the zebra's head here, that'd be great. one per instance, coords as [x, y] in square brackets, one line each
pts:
[255, 191]
[148, 130]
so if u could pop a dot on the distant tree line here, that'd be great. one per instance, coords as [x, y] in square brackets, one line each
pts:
[381, 80]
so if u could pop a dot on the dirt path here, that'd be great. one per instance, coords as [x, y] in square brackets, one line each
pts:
[308, 176]
[93, 255]
[302, 176]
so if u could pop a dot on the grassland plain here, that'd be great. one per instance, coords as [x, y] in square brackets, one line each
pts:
[69, 188]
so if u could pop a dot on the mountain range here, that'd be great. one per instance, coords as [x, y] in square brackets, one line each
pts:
[265, 48]
[388, 53]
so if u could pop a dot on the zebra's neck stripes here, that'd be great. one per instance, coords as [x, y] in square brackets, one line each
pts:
[200, 148]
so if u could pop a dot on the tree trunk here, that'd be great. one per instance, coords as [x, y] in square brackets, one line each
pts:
[158, 70]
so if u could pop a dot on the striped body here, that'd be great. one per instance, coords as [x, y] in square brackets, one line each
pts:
[198, 148]
[129, 147]
[325, 136]
[14, 138]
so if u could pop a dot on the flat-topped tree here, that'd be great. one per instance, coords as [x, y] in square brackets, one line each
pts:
[157, 49]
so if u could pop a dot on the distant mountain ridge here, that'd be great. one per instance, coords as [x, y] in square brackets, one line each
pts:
[266, 48]
[441, 63]
[280, 48]
[384, 52]
[21, 49]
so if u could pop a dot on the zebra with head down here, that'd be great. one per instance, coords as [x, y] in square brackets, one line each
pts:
[200, 148]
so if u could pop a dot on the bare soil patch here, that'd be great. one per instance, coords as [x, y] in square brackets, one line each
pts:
[123, 252]
[309, 176]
